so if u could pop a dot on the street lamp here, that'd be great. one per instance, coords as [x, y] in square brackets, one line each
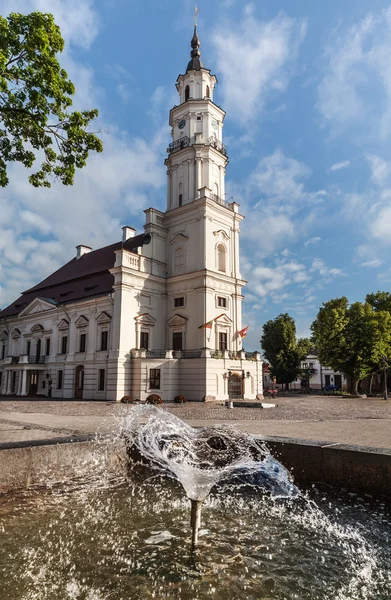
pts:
[385, 365]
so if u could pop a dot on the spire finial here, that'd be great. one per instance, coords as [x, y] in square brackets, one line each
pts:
[196, 11]
[195, 63]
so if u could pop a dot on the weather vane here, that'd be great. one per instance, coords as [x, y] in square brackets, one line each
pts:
[196, 11]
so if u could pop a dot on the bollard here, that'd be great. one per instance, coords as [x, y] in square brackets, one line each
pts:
[195, 520]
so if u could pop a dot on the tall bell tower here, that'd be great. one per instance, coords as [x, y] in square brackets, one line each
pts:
[197, 157]
[204, 285]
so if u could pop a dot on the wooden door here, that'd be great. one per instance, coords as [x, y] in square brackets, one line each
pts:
[235, 386]
[32, 383]
[79, 381]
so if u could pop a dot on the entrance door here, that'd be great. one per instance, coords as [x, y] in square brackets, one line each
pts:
[79, 382]
[338, 381]
[327, 380]
[235, 385]
[32, 382]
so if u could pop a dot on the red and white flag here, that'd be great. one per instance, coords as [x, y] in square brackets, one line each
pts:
[243, 332]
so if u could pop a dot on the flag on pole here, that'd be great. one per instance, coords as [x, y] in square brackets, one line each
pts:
[207, 325]
[243, 332]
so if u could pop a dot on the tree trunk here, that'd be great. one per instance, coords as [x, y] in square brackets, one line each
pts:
[354, 386]
[370, 383]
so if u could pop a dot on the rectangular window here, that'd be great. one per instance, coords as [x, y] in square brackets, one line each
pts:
[28, 348]
[103, 340]
[13, 383]
[180, 200]
[3, 352]
[154, 379]
[177, 343]
[222, 340]
[179, 302]
[47, 346]
[59, 379]
[101, 378]
[222, 301]
[82, 343]
[144, 340]
[64, 344]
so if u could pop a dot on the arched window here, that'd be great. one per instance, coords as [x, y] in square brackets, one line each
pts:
[207, 92]
[221, 258]
[187, 92]
[179, 264]
[180, 195]
[216, 191]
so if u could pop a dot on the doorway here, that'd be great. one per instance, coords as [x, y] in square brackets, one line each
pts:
[32, 383]
[235, 385]
[338, 381]
[79, 382]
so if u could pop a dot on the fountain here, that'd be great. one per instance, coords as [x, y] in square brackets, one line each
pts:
[201, 458]
[111, 538]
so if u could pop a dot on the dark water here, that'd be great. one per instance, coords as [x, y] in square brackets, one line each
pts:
[125, 542]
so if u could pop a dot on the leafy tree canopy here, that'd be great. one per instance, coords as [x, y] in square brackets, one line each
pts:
[35, 98]
[282, 350]
[379, 301]
[352, 338]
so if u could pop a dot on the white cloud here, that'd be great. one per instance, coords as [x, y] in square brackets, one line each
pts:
[340, 165]
[356, 87]
[319, 266]
[77, 19]
[371, 263]
[380, 227]
[39, 228]
[311, 241]
[380, 168]
[255, 58]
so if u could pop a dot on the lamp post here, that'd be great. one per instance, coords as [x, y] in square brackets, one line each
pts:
[385, 365]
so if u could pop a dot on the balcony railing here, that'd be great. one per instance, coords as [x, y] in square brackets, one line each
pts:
[187, 353]
[156, 353]
[183, 142]
[219, 200]
[215, 143]
[36, 360]
[14, 360]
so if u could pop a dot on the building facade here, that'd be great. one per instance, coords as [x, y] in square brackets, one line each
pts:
[315, 376]
[156, 312]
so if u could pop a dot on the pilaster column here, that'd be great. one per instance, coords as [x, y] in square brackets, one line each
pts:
[174, 191]
[198, 174]
[23, 390]
[168, 189]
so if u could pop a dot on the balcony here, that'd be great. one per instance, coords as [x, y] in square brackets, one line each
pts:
[36, 360]
[217, 145]
[183, 142]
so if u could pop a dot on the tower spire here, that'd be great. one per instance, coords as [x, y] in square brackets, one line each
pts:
[195, 63]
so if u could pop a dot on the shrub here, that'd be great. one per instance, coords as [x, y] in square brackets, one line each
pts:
[154, 399]
[180, 399]
[127, 400]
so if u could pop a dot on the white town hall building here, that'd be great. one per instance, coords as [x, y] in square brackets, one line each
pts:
[159, 312]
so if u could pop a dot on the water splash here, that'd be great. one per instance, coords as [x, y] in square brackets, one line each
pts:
[201, 458]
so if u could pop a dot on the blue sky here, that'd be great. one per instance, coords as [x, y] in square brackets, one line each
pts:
[307, 90]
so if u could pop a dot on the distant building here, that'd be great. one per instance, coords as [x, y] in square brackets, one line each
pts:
[156, 312]
[320, 376]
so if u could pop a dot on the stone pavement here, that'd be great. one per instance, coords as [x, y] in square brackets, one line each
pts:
[362, 422]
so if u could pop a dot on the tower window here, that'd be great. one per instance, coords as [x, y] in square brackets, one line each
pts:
[179, 261]
[179, 302]
[198, 118]
[144, 340]
[187, 93]
[221, 258]
[221, 301]
[222, 340]
[180, 200]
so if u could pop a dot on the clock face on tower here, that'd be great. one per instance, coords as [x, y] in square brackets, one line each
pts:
[181, 123]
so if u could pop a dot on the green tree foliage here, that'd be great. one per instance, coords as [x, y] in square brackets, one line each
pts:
[35, 98]
[282, 350]
[379, 301]
[352, 338]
